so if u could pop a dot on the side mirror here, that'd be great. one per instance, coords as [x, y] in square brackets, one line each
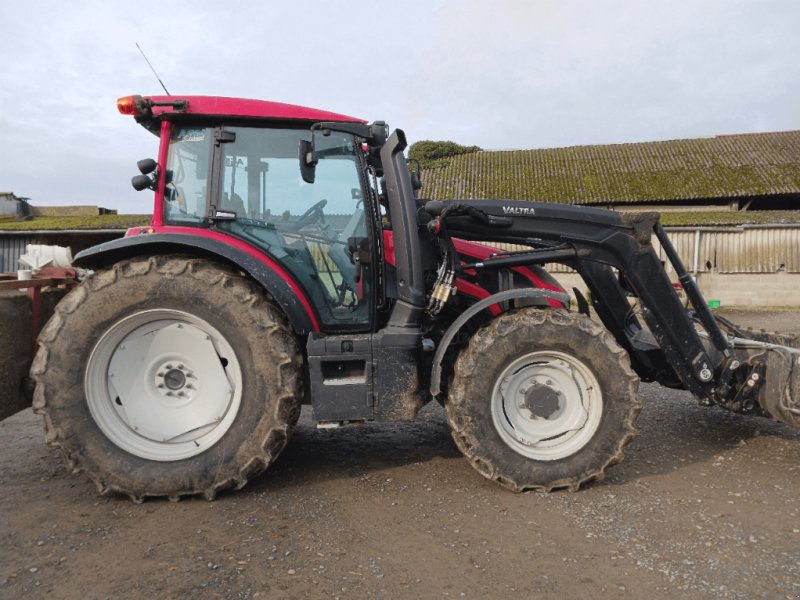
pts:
[379, 133]
[308, 161]
[146, 166]
[143, 182]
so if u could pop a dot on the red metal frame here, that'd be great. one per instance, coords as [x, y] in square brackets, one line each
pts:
[163, 150]
[482, 252]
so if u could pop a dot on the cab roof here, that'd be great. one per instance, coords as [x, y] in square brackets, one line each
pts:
[158, 107]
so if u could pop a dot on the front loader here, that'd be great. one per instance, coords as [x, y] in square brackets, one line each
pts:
[290, 260]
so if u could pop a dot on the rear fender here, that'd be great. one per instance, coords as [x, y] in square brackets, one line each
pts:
[273, 278]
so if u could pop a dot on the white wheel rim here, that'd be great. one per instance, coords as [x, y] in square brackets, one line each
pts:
[163, 385]
[546, 405]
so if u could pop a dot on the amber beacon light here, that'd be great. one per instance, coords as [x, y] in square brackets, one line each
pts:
[130, 105]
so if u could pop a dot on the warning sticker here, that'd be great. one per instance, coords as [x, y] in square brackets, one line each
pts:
[190, 135]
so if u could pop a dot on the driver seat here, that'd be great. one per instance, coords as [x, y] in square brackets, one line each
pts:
[234, 204]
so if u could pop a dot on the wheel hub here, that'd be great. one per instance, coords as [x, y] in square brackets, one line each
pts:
[173, 378]
[163, 384]
[546, 405]
[541, 400]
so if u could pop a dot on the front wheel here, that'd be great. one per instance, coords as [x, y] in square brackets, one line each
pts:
[167, 376]
[542, 399]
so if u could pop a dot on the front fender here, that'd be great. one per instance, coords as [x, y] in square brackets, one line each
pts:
[472, 311]
[266, 271]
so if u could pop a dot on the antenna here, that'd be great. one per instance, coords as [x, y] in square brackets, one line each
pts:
[152, 69]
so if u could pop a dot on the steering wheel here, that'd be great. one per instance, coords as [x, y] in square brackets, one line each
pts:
[312, 215]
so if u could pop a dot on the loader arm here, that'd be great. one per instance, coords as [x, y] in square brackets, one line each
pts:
[595, 242]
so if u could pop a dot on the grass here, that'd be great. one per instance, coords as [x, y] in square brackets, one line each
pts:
[62, 223]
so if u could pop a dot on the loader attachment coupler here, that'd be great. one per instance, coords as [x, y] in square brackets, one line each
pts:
[779, 395]
[766, 380]
[752, 376]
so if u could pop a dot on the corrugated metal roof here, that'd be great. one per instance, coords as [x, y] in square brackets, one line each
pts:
[757, 249]
[728, 166]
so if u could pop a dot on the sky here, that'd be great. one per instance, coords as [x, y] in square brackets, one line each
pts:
[504, 74]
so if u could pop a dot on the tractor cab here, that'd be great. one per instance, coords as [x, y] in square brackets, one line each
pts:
[231, 167]
[244, 181]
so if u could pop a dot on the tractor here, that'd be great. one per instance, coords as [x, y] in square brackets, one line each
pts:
[292, 260]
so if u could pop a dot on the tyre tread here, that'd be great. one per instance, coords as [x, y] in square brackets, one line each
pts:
[469, 366]
[275, 331]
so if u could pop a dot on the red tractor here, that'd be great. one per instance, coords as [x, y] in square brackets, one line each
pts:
[290, 260]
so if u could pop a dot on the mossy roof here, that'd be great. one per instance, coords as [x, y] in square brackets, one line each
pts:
[730, 218]
[731, 166]
[121, 222]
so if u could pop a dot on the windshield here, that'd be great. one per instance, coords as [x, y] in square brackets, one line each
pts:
[261, 175]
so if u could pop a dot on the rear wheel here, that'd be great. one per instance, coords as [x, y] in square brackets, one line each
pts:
[542, 399]
[167, 376]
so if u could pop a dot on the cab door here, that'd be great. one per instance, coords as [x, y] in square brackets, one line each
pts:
[321, 232]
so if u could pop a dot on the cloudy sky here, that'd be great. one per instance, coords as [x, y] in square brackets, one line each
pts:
[501, 74]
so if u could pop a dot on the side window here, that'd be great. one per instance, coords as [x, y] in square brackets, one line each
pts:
[318, 231]
[188, 162]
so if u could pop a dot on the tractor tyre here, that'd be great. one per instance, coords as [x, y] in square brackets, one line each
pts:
[542, 399]
[167, 376]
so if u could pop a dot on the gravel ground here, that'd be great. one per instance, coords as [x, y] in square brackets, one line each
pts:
[703, 506]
